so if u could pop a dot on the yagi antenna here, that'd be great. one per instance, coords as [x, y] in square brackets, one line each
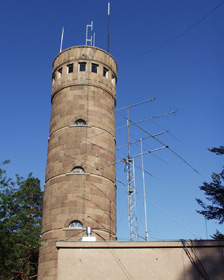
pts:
[91, 40]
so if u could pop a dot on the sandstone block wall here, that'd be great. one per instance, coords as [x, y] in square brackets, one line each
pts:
[80, 174]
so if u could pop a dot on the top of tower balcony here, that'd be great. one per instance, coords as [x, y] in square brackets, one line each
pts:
[84, 52]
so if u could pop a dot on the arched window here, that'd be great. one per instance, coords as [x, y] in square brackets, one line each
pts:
[80, 122]
[75, 224]
[78, 170]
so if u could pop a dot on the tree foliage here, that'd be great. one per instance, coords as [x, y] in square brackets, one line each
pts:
[214, 192]
[20, 225]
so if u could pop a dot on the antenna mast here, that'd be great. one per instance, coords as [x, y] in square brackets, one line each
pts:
[108, 36]
[143, 180]
[132, 217]
[62, 35]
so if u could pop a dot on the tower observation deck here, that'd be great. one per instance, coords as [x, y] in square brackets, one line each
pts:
[78, 195]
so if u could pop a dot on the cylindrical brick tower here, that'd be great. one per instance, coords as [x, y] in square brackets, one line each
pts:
[80, 188]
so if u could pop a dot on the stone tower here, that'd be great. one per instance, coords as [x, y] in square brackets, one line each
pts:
[80, 188]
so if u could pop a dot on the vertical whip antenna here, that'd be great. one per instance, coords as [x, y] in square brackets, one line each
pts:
[108, 36]
[62, 35]
[143, 180]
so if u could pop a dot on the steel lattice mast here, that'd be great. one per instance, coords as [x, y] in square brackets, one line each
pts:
[131, 191]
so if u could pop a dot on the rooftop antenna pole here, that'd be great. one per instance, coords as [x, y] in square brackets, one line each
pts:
[143, 180]
[62, 35]
[108, 36]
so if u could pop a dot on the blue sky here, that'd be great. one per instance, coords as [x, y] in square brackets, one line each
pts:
[185, 74]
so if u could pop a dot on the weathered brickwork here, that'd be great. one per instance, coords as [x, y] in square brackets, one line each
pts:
[82, 131]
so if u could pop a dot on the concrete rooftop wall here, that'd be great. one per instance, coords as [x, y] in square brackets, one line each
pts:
[141, 260]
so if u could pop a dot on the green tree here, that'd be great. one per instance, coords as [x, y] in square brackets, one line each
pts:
[214, 192]
[20, 225]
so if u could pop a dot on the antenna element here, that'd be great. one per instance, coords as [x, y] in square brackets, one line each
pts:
[91, 40]
[62, 35]
[108, 36]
